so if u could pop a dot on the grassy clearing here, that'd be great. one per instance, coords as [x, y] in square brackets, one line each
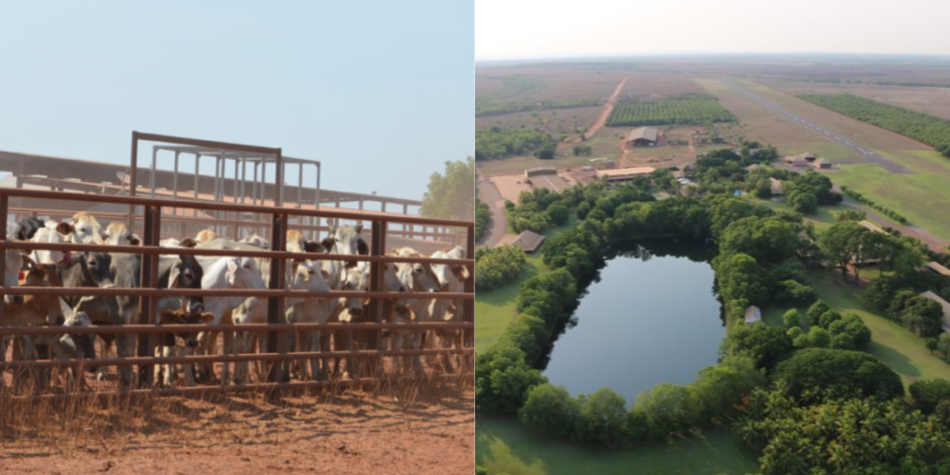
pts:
[891, 343]
[503, 445]
[917, 196]
[496, 309]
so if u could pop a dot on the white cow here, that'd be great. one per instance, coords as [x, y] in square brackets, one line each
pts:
[47, 234]
[452, 278]
[224, 273]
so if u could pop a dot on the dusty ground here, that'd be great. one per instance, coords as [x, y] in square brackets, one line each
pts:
[354, 433]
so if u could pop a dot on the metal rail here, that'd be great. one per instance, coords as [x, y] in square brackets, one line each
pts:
[149, 293]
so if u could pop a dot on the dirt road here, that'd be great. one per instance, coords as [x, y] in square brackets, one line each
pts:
[604, 114]
[488, 193]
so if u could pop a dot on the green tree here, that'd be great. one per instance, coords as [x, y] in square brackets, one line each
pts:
[818, 373]
[791, 319]
[928, 393]
[602, 418]
[764, 344]
[664, 409]
[451, 196]
[550, 410]
[503, 378]
[842, 243]
[803, 201]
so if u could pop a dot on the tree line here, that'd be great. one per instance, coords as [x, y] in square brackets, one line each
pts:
[922, 127]
[497, 143]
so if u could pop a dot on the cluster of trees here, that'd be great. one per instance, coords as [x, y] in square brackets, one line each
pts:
[540, 209]
[580, 150]
[885, 211]
[511, 367]
[922, 127]
[500, 143]
[681, 109]
[482, 219]
[665, 410]
[485, 108]
[497, 266]
[847, 244]
[722, 171]
[826, 329]
[870, 435]
[807, 191]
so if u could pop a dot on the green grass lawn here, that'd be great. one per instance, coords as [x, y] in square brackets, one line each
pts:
[918, 196]
[891, 343]
[503, 445]
[495, 309]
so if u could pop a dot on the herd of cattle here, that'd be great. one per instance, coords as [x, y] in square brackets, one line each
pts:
[185, 271]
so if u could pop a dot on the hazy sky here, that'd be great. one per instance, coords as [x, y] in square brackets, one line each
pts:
[381, 92]
[553, 28]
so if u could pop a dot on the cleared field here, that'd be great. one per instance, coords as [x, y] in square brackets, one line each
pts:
[760, 123]
[924, 128]
[539, 83]
[503, 445]
[682, 109]
[556, 122]
[930, 100]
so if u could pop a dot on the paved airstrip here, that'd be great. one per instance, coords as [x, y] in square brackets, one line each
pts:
[865, 153]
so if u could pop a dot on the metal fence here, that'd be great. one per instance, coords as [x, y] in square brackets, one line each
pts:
[149, 292]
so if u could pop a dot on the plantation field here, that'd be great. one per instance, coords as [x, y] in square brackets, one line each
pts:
[924, 128]
[684, 109]
[503, 445]
[489, 108]
[929, 100]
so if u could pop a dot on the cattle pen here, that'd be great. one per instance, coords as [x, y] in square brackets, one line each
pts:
[147, 215]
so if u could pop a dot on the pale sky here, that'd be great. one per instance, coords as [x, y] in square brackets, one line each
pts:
[381, 92]
[556, 28]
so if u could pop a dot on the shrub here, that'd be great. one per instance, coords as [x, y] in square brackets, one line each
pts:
[815, 311]
[550, 410]
[498, 266]
[792, 319]
[928, 393]
[603, 418]
[819, 373]
[765, 345]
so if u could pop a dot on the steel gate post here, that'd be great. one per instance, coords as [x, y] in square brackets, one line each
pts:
[149, 279]
[275, 305]
[4, 208]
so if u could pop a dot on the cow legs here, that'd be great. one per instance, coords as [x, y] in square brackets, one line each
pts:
[187, 368]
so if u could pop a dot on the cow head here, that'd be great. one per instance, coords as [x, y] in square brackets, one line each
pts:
[243, 273]
[183, 316]
[86, 228]
[187, 273]
[449, 273]
[356, 279]
[117, 233]
[79, 345]
[346, 240]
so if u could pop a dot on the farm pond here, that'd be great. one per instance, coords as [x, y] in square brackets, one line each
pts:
[652, 317]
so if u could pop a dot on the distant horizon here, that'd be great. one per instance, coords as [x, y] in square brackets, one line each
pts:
[699, 54]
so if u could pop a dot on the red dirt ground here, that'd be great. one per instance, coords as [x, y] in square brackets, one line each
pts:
[355, 433]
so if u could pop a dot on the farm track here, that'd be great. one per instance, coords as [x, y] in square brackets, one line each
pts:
[604, 114]
[865, 153]
[490, 195]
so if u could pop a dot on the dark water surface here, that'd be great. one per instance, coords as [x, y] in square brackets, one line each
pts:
[644, 322]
